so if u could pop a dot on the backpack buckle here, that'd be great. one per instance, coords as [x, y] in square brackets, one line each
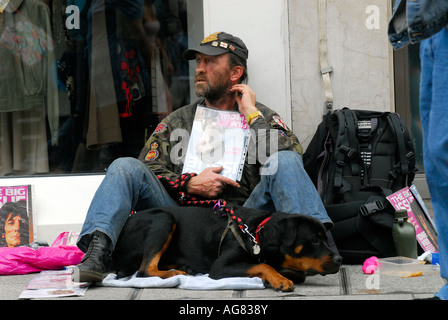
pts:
[371, 207]
[349, 152]
[410, 155]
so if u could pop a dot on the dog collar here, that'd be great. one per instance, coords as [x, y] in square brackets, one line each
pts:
[221, 207]
[260, 226]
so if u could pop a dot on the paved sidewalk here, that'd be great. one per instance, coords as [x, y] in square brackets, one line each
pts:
[349, 284]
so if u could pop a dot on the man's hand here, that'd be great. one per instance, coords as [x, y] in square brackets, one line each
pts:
[209, 183]
[246, 99]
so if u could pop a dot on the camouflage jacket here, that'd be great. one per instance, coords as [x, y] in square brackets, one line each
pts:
[165, 150]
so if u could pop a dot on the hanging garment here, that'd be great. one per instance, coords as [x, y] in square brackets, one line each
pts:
[27, 83]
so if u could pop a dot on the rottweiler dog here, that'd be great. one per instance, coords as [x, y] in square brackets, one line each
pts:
[165, 242]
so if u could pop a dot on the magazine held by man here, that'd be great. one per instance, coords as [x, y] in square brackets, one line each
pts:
[218, 138]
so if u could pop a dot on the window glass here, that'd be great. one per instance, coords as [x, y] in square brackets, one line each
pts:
[83, 82]
[414, 99]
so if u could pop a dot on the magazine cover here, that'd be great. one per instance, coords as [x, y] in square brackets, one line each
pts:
[16, 219]
[218, 138]
[53, 284]
[424, 229]
[419, 198]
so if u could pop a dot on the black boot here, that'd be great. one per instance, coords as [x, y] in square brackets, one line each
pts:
[97, 261]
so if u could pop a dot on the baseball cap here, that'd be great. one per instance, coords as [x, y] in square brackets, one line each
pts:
[219, 43]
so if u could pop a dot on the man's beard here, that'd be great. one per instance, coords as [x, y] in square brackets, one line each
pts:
[213, 92]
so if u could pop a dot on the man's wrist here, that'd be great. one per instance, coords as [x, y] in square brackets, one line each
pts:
[189, 187]
[253, 116]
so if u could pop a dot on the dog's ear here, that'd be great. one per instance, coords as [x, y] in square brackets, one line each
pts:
[283, 232]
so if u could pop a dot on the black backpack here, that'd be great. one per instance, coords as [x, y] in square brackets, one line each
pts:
[355, 159]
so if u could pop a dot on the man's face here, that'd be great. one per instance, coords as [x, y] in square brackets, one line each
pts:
[212, 80]
[12, 230]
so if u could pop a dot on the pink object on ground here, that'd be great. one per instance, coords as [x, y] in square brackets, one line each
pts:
[370, 265]
[23, 260]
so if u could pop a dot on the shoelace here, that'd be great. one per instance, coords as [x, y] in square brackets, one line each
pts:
[93, 247]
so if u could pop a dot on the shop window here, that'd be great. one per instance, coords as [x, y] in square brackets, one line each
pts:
[83, 82]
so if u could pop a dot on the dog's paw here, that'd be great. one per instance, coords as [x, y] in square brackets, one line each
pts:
[164, 274]
[282, 284]
[171, 273]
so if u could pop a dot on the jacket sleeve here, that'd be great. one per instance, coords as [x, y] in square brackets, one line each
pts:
[161, 156]
[270, 134]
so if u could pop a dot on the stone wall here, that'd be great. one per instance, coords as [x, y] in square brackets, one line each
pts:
[358, 51]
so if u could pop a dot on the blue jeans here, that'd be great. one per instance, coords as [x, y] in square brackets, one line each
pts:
[130, 185]
[434, 117]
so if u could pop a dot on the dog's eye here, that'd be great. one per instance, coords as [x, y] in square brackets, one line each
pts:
[315, 241]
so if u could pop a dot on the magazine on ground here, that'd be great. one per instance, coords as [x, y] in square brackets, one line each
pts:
[16, 216]
[418, 215]
[419, 198]
[218, 138]
[52, 284]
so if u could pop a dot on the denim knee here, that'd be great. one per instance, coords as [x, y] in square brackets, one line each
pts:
[284, 159]
[287, 155]
[126, 164]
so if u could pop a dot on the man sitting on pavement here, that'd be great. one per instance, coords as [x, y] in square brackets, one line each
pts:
[136, 184]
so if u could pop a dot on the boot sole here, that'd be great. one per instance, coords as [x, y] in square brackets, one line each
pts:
[80, 275]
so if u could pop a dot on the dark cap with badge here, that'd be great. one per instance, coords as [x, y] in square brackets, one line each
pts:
[219, 43]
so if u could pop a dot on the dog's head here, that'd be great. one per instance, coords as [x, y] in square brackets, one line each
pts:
[299, 243]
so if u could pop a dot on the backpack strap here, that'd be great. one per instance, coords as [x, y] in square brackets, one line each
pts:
[394, 123]
[342, 149]
[325, 154]
[325, 68]
[347, 148]
[406, 165]
[353, 147]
